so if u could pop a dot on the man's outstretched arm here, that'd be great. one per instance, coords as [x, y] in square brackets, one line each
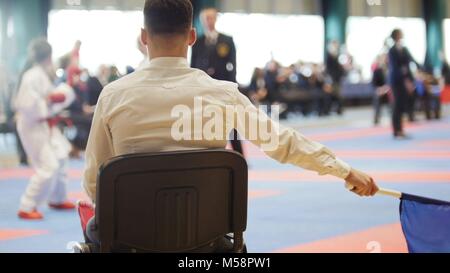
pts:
[286, 145]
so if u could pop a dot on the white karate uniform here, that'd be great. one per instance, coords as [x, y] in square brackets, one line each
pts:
[46, 147]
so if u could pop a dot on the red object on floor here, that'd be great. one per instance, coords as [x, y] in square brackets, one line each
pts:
[445, 95]
[86, 212]
[34, 215]
[64, 206]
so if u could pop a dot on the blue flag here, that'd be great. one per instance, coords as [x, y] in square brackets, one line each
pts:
[426, 224]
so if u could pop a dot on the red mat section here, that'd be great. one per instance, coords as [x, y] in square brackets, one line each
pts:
[27, 173]
[382, 177]
[440, 144]
[384, 239]
[13, 234]
[393, 154]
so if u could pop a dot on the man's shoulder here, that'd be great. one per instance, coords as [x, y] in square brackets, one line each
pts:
[204, 80]
[123, 83]
[393, 50]
[195, 78]
[226, 85]
[225, 38]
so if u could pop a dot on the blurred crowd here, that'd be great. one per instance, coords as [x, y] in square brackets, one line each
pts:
[304, 88]
[307, 88]
[87, 88]
[316, 89]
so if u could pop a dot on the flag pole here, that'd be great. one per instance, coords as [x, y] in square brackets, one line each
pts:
[382, 191]
[391, 193]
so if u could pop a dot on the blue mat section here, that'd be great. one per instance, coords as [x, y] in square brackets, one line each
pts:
[302, 212]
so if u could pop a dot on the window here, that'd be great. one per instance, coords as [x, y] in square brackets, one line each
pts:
[386, 8]
[366, 37]
[108, 36]
[261, 37]
[297, 7]
[447, 38]
[1, 38]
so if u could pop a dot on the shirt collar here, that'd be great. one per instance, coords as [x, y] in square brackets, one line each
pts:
[212, 37]
[212, 34]
[169, 62]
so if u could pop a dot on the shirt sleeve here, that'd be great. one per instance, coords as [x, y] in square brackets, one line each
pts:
[285, 144]
[99, 150]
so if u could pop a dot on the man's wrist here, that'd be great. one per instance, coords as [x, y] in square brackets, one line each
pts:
[344, 169]
[350, 175]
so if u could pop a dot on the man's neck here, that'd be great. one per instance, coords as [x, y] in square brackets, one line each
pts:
[166, 55]
[161, 52]
[168, 48]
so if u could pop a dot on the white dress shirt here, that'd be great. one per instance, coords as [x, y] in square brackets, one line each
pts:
[134, 115]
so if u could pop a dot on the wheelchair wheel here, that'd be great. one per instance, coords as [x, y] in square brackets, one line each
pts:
[86, 248]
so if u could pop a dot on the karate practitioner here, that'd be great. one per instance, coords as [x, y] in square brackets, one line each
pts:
[37, 104]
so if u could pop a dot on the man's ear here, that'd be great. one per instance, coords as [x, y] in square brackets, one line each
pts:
[192, 36]
[144, 36]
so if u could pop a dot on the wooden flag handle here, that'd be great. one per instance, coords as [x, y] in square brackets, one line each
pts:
[382, 191]
[391, 193]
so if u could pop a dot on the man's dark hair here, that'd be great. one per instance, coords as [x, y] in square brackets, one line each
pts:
[168, 17]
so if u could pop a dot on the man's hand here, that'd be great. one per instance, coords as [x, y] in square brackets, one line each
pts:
[363, 185]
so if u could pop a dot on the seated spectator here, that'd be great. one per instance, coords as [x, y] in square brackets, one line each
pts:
[382, 94]
[135, 114]
[445, 96]
[428, 90]
[272, 81]
[94, 88]
[114, 74]
[257, 90]
[81, 112]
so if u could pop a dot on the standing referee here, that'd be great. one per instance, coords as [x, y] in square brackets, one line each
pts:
[215, 53]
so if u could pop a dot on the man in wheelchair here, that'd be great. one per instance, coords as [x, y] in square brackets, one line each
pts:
[138, 113]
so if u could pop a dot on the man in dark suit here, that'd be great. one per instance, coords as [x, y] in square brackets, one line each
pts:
[401, 80]
[215, 53]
